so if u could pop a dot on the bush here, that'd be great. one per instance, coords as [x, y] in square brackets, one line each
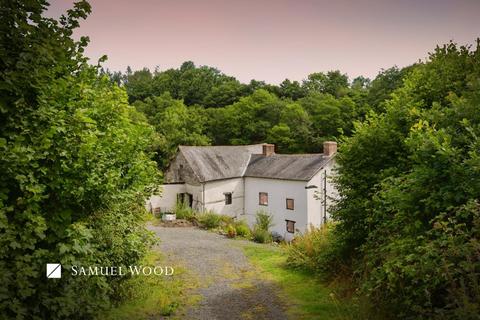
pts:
[225, 220]
[209, 220]
[436, 275]
[263, 220]
[242, 229]
[74, 165]
[183, 211]
[408, 183]
[261, 236]
[316, 250]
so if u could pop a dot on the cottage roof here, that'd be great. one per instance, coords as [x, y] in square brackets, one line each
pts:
[219, 162]
[286, 166]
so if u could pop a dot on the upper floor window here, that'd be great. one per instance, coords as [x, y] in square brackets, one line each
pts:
[290, 204]
[263, 199]
[228, 198]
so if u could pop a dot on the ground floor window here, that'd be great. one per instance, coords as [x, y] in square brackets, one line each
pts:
[185, 199]
[290, 226]
[263, 199]
[290, 204]
[228, 198]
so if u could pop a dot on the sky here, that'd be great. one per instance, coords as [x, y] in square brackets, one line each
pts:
[271, 40]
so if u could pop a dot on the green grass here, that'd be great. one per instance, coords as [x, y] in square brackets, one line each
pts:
[304, 295]
[147, 297]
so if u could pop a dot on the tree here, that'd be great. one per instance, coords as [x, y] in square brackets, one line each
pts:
[386, 82]
[330, 117]
[334, 83]
[291, 89]
[139, 85]
[178, 125]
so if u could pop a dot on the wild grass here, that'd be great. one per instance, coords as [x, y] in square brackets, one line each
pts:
[146, 297]
[242, 229]
[209, 220]
[305, 296]
[316, 250]
[183, 211]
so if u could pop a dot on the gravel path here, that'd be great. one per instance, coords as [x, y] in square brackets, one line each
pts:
[229, 287]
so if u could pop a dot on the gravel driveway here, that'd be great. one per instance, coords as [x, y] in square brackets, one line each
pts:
[229, 287]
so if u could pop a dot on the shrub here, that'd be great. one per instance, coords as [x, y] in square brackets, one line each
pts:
[231, 231]
[225, 220]
[261, 236]
[183, 211]
[263, 220]
[315, 250]
[242, 229]
[209, 220]
[73, 160]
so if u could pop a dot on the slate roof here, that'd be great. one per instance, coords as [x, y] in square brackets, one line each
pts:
[223, 162]
[219, 162]
[286, 166]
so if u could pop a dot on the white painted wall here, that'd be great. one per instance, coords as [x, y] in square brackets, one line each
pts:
[167, 200]
[316, 196]
[278, 191]
[215, 197]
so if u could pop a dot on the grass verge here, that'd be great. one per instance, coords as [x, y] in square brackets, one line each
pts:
[147, 297]
[306, 297]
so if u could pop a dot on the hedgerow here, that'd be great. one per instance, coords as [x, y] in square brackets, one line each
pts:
[73, 169]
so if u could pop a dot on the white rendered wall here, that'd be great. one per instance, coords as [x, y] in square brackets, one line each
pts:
[215, 196]
[315, 196]
[167, 200]
[278, 191]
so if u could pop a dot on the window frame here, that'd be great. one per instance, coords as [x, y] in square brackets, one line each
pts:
[228, 198]
[293, 204]
[293, 226]
[260, 199]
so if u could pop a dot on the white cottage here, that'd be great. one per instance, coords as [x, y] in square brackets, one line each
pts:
[239, 181]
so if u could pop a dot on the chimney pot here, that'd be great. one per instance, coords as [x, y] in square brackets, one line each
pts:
[329, 148]
[268, 149]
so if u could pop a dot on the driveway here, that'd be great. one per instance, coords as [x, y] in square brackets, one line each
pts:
[229, 287]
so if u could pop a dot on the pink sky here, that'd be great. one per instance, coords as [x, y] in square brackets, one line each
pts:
[272, 40]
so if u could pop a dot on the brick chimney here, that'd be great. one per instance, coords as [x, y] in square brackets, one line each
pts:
[329, 148]
[268, 149]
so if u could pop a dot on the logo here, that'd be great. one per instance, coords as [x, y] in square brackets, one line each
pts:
[54, 270]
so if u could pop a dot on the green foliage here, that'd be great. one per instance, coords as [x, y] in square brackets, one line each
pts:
[242, 229]
[261, 235]
[382, 87]
[189, 104]
[263, 220]
[334, 83]
[73, 160]
[408, 180]
[315, 251]
[142, 297]
[194, 85]
[184, 211]
[308, 298]
[175, 124]
[210, 220]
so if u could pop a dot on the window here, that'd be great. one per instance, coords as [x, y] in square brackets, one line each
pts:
[228, 197]
[290, 226]
[263, 199]
[290, 204]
